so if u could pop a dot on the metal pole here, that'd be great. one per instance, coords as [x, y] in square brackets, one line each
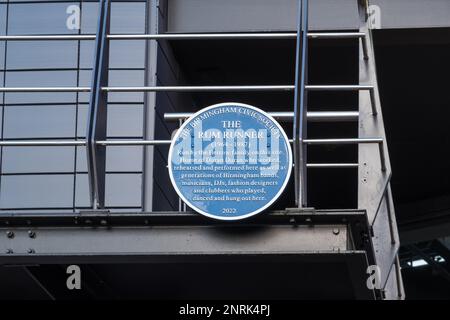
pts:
[48, 37]
[253, 88]
[45, 89]
[336, 35]
[332, 165]
[41, 143]
[350, 87]
[204, 36]
[191, 36]
[390, 217]
[201, 88]
[96, 129]
[267, 88]
[132, 142]
[300, 107]
[382, 155]
[343, 141]
[235, 36]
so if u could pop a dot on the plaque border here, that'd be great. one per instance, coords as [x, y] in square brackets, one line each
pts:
[274, 198]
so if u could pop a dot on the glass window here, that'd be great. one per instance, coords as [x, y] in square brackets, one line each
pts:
[2, 19]
[87, 54]
[39, 18]
[36, 191]
[126, 78]
[39, 121]
[2, 75]
[82, 120]
[124, 158]
[56, 177]
[127, 54]
[42, 54]
[41, 79]
[123, 120]
[118, 158]
[82, 191]
[85, 79]
[123, 190]
[128, 17]
[81, 160]
[2, 32]
[2, 55]
[89, 17]
[38, 159]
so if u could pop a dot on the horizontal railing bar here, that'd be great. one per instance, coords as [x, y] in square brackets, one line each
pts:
[45, 89]
[342, 141]
[186, 36]
[47, 37]
[49, 143]
[287, 115]
[200, 88]
[204, 36]
[335, 35]
[132, 142]
[42, 143]
[159, 142]
[332, 165]
[232, 36]
[54, 143]
[332, 116]
[266, 88]
[61, 173]
[338, 87]
[237, 88]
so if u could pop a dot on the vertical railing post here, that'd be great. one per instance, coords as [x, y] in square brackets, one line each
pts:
[97, 116]
[300, 101]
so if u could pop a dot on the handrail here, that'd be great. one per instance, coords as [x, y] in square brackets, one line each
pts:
[224, 88]
[187, 36]
[287, 115]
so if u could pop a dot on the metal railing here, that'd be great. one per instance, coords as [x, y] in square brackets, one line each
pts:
[96, 132]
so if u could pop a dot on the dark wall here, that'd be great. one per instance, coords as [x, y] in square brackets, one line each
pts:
[413, 68]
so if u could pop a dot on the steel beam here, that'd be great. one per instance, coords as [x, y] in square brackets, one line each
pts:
[93, 235]
[373, 173]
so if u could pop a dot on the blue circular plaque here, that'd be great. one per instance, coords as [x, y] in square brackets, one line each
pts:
[230, 161]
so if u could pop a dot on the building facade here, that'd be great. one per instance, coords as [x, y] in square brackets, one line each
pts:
[86, 119]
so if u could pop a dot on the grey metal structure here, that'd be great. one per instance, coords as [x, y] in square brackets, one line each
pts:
[357, 238]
